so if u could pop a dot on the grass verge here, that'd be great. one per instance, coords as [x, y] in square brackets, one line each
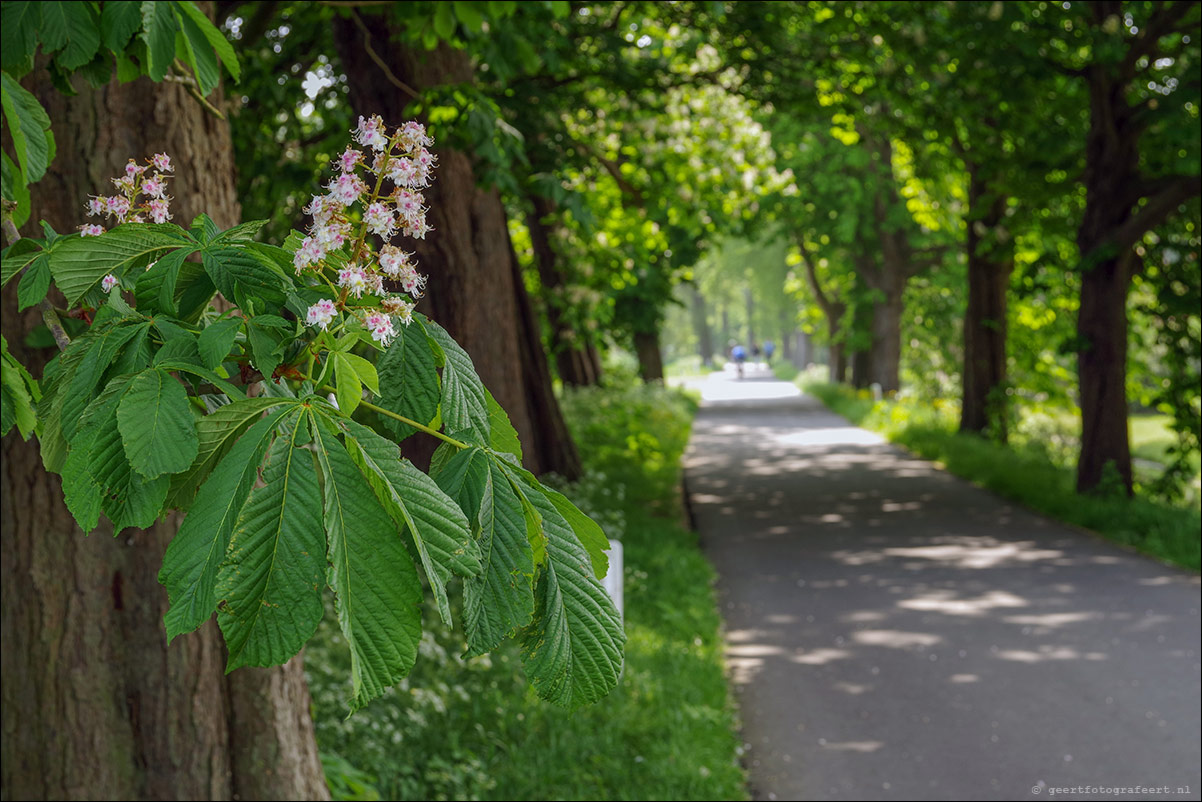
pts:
[473, 729]
[1024, 475]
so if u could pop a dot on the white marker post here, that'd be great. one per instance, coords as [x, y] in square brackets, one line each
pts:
[613, 579]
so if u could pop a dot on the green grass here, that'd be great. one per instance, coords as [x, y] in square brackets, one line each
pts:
[1025, 474]
[473, 729]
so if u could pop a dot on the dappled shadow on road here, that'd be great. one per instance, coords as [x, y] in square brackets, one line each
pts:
[902, 632]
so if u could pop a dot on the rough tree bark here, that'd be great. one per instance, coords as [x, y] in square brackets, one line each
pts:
[577, 363]
[990, 262]
[899, 262]
[95, 704]
[474, 285]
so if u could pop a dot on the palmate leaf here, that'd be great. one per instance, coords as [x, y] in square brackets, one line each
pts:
[572, 651]
[500, 600]
[269, 587]
[378, 592]
[439, 529]
[195, 554]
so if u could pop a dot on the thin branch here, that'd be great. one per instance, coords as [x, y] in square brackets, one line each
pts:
[419, 426]
[395, 81]
[824, 302]
[189, 83]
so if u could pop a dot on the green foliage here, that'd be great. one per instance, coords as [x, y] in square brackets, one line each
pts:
[138, 38]
[19, 393]
[287, 493]
[461, 728]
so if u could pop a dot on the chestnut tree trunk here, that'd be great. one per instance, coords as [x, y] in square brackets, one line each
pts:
[990, 263]
[95, 704]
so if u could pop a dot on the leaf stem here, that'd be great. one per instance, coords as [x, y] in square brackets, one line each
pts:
[380, 410]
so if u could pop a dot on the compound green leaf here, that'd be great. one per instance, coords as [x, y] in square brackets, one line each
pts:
[158, 31]
[119, 20]
[195, 554]
[79, 263]
[437, 525]
[216, 434]
[217, 339]
[29, 127]
[269, 587]
[572, 651]
[501, 434]
[590, 535]
[216, 39]
[500, 600]
[378, 592]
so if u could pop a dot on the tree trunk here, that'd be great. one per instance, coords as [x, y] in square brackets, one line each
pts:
[749, 301]
[838, 353]
[95, 704]
[474, 289]
[885, 365]
[1111, 169]
[651, 363]
[574, 360]
[990, 263]
[701, 326]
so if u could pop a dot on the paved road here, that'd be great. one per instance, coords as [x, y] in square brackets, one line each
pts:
[896, 633]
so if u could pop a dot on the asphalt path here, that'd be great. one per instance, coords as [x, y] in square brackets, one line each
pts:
[894, 632]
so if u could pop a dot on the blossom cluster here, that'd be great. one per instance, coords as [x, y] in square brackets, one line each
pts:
[141, 196]
[383, 183]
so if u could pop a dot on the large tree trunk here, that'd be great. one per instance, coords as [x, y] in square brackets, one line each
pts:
[1111, 169]
[651, 362]
[575, 361]
[474, 291]
[701, 326]
[885, 365]
[990, 263]
[95, 704]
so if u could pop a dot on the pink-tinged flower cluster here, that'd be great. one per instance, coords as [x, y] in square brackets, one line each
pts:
[357, 207]
[321, 314]
[141, 195]
[108, 282]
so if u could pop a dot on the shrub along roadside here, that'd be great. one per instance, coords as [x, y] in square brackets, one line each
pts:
[1023, 475]
[472, 729]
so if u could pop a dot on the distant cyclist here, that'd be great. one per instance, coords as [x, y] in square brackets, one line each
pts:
[769, 350]
[739, 354]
